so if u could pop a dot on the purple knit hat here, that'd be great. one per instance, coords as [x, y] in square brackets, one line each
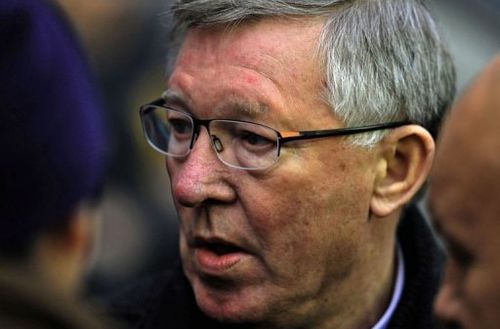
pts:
[52, 139]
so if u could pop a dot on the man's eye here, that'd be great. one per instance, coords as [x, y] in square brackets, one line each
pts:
[254, 139]
[180, 126]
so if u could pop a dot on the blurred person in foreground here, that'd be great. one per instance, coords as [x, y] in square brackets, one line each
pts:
[295, 133]
[52, 168]
[464, 203]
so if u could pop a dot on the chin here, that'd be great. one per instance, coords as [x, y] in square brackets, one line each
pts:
[227, 304]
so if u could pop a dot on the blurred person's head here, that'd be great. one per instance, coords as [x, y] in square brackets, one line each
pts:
[463, 199]
[277, 226]
[51, 143]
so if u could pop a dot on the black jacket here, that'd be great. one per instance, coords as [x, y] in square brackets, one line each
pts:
[167, 301]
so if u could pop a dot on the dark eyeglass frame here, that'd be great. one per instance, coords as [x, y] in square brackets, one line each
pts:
[283, 136]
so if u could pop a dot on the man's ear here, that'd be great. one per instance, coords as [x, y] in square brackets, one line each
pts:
[406, 159]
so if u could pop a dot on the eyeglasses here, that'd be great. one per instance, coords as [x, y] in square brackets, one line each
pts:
[238, 144]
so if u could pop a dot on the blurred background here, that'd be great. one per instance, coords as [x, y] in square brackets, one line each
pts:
[127, 43]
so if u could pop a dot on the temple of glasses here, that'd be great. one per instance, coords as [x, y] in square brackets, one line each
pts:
[237, 143]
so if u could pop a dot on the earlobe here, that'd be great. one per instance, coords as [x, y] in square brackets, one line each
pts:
[405, 162]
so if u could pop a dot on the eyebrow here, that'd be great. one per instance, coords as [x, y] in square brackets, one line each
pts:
[241, 107]
[175, 97]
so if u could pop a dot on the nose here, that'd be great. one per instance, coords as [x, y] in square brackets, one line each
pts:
[447, 302]
[200, 178]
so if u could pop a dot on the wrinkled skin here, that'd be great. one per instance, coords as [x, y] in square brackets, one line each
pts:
[305, 252]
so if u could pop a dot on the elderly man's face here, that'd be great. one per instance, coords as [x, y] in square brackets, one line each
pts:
[464, 193]
[282, 243]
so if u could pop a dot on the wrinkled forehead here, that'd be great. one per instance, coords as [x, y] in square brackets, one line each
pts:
[253, 41]
[271, 63]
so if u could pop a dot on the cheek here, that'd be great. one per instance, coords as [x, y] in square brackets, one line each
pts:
[311, 222]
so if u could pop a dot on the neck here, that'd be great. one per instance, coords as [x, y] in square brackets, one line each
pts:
[367, 301]
[359, 302]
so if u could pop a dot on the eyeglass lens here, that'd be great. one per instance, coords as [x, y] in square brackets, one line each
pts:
[238, 144]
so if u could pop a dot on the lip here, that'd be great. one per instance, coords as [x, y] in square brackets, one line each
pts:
[217, 256]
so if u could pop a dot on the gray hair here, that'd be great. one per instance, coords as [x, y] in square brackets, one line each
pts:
[384, 60]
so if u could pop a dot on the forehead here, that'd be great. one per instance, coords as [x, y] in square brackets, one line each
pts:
[260, 61]
[265, 44]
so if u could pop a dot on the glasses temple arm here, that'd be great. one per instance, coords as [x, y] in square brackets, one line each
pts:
[312, 134]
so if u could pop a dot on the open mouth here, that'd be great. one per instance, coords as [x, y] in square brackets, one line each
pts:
[215, 256]
[217, 247]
